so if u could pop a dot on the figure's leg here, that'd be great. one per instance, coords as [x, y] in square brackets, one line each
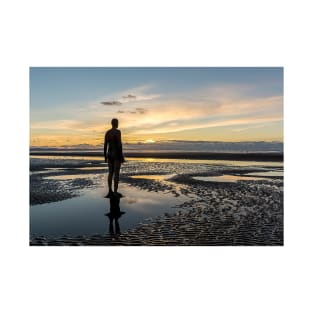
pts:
[117, 167]
[111, 229]
[117, 227]
[110, 176]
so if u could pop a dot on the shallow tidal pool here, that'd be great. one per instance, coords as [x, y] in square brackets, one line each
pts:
[226, 178]
[86, 214]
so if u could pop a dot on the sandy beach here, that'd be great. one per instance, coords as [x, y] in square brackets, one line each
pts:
[238, 156]
[203, 203]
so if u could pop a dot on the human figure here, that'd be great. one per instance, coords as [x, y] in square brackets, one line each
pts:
[113, 154]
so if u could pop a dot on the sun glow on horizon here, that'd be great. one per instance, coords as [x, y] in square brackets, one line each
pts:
[149, 141]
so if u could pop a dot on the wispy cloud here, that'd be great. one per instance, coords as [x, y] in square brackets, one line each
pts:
[136, 111]
[141, 110]
[138, 94]
[129, 96]
[249, 127]
[185, 125]
[56, 124]
[111, 102]
[176, 116]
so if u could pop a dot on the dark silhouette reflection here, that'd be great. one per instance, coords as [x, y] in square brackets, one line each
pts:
[114, 215]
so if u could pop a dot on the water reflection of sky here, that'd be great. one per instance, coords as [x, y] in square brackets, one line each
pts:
[47, 170]
[85, 215]
[70, 176]
[268, 173]
[226, 178]
[154, 177]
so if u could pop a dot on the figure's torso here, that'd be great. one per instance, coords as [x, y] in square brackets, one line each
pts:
[113, 139]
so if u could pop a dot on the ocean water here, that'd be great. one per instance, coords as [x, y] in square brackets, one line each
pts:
[86, 215]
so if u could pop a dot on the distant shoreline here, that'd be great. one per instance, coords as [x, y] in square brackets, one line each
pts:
[240, 156]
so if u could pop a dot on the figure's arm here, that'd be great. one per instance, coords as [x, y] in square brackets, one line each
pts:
[105, 148]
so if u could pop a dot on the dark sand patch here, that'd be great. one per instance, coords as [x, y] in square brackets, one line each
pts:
[238, 156]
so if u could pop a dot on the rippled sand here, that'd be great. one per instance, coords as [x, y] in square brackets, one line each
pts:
[240, 213]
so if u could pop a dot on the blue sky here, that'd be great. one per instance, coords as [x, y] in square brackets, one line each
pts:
[70, 105]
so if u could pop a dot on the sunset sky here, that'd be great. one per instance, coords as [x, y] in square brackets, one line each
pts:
[71, 106]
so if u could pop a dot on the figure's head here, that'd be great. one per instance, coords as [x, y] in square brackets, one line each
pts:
[114, 123]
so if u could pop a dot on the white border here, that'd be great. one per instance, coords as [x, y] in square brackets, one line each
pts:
[155, 33]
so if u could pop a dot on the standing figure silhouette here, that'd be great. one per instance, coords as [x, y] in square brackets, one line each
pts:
[113, 154]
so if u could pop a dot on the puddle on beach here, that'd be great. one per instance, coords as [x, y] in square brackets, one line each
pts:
[90, 168]
[209, 162]
[160, 160]
[48, 170]
[70, 176]
[154, 177]
[162, 178]
[60, 157]
[85, 215]
[269, 173]
[226, 178]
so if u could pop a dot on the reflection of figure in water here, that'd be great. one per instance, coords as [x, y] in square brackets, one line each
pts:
[114, 215]
[113, 154]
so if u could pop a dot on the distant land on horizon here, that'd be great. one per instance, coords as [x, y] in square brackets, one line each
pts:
[178, 146]
[256, 151]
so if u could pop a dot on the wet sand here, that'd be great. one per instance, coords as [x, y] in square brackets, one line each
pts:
[217, 213]
[239, 156]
